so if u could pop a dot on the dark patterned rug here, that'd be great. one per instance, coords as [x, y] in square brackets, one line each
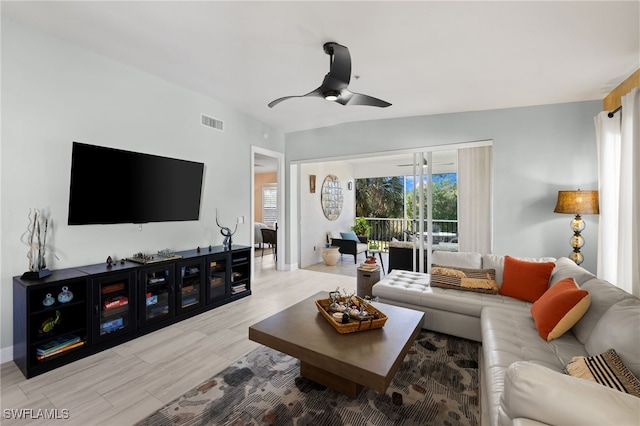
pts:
[437, 384]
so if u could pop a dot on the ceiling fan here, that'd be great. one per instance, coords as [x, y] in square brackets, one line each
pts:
[334, 85]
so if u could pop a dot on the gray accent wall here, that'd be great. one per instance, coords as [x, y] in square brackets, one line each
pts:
[537, 151]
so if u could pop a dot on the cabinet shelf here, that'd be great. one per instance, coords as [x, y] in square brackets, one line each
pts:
[40, 341]
[61, 354]
[58, 306]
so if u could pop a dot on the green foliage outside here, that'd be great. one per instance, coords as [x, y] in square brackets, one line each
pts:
[361, 226]
[384, 198]
[444, 196]
[380, 197]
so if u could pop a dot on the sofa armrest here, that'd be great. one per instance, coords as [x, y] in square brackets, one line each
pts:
[532, 391]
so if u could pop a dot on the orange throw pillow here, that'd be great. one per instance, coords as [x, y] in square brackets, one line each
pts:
[525, 280]
[559, 309]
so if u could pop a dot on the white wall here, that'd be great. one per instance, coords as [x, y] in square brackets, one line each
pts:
[54, 93]
[313, 224]
[536, 152]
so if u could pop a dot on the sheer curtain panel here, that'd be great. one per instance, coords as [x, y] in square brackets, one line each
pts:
[618, 140]
[475, 231]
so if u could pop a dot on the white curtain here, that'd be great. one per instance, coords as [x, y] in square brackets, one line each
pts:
[618, 141]
[475, 210]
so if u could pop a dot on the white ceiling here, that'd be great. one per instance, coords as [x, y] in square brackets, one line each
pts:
[423, 57]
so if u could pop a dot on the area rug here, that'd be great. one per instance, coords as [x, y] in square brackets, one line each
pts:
[437, 384]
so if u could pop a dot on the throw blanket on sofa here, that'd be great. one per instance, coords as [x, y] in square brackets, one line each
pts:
[478, 280]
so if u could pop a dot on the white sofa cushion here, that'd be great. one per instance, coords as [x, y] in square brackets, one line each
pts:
[619, 328]
[468, 259]
[603, 295]
[567, 268]
[538, 393]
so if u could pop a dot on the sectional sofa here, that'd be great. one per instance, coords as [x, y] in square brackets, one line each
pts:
[523, 380]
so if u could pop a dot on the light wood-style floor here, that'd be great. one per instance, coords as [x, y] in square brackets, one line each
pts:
[128, 382]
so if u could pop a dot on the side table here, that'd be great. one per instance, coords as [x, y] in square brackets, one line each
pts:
[366, 280]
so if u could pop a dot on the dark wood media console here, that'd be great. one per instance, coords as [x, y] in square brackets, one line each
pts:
[77, 312]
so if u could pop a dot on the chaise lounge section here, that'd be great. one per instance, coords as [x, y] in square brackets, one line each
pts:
[522, 379]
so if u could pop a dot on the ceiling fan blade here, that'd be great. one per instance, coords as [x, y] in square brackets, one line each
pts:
[313, 93]
[350, 98]
[340, 66]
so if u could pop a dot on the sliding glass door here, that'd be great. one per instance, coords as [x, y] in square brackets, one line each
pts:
[443, 194]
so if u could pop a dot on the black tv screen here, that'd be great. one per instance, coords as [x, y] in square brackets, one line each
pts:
[115, 186]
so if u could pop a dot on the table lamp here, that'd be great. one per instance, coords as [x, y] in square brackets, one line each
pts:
[578, 203]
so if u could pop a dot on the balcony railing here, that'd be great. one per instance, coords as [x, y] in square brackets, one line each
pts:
[384, 229]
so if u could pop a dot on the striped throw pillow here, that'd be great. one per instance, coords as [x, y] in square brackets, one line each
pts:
[478, 280]
[606, 369]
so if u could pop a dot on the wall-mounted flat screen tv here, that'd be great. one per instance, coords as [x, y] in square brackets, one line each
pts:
[115, 186]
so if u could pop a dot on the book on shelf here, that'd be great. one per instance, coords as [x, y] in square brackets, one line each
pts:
[113, 325]
[57, 343]
[238, 288]
[113, 312]
[61, 350]
[189, 302]
[112, 288]
[115, 302]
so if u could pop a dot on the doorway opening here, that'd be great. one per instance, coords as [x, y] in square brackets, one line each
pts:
[267, 209]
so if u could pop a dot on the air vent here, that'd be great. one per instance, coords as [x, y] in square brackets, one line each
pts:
[214, 123]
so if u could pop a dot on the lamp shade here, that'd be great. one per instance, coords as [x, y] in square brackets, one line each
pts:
[578, 202]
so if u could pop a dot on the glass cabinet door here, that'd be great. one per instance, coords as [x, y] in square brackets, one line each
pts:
[156, 285]
[217, 278]
[113, 305]
[189, 285]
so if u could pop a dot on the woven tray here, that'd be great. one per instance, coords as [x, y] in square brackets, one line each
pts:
[354, 324]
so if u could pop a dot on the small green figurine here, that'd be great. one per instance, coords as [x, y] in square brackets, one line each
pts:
[49, 323]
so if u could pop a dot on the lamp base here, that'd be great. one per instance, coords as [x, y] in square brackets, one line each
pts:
[577, 257]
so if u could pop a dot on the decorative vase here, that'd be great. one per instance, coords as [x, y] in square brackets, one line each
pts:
[330, 255]
[48, 300]
[65, 295]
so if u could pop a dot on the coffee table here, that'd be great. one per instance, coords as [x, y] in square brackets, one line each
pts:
[346, 363]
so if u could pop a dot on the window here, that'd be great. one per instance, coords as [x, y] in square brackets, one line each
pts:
[269, 204]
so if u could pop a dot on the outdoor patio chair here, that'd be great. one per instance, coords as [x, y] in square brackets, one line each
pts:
[347, 246]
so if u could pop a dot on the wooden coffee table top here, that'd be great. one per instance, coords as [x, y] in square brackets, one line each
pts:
[370, 358]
